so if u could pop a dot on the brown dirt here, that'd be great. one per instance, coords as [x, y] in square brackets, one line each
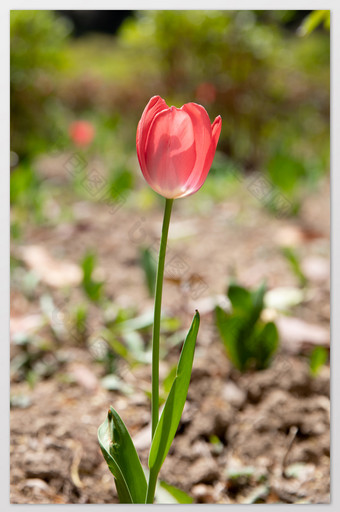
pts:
[272, 426]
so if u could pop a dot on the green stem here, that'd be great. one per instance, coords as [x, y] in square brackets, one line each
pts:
[157, 316]
[151, 487]
[155, 338]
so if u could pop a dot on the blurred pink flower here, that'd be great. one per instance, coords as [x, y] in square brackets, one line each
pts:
[176, 147]
[82, 132]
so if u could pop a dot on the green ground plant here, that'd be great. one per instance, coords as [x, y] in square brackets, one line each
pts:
[250, 342]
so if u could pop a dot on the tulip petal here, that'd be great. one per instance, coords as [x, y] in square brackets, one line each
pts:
[176, 147]
[155, 105]
[209, 157]
[170, 153]
[203, 142]
[198, 180]
[216, 129]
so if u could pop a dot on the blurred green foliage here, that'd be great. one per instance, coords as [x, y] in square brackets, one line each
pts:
[36, 57]
[36, 358]
[250, 342]
[149, 266]
[78, 320]
[294, 262]
[27, 195]
[23, 185]
[314, 19]
[270, 85]
[317, 359]
[92, 287]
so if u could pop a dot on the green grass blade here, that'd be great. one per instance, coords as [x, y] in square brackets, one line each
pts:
[149, 266]
[172, 412]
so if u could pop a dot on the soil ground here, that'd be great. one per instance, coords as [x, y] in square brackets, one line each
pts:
[257, 437]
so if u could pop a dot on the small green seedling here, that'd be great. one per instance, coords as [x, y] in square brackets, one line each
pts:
[92, 288]
[317, 359]
[249, 341]
[294, 262]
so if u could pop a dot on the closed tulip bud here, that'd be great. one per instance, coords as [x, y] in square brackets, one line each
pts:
[176, 147]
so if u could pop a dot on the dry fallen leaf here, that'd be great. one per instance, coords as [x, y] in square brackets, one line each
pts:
[316, 269]
[290, 236]
[56, 273]
[293, 236]
[25, 323]
[296, 333]
[84, 376]
[283, 298]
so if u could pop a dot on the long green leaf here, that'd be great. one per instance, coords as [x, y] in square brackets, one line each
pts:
[105, 443]
[171, 494]
[313, 20]
[121, 456]
[172, 412]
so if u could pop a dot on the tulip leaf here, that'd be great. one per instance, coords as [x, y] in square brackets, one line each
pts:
[166, 493]
[121, 457]
[172, 412]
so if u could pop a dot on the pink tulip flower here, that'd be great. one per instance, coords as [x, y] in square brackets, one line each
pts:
[176, 147]
[82, 132]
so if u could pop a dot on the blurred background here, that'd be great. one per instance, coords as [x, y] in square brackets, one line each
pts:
[250, 250]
